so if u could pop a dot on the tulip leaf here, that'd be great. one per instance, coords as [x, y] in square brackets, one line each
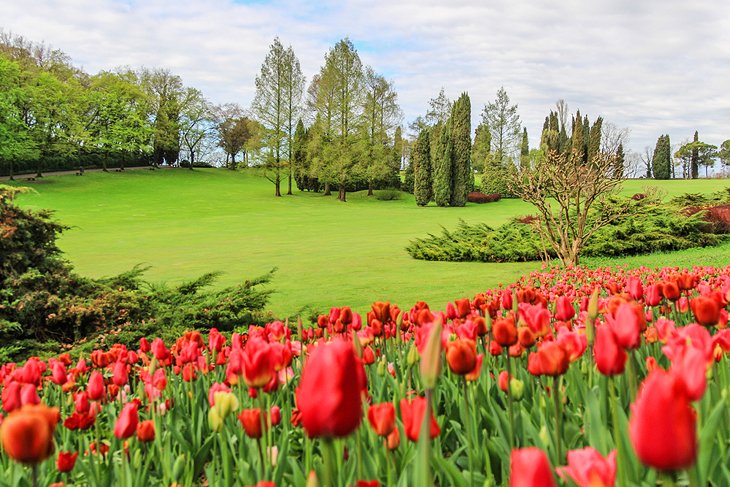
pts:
[707, 436]
[454, 476]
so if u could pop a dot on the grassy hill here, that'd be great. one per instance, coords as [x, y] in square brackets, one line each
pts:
[328, 253]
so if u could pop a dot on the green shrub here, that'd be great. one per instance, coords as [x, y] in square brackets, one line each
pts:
[388, 194]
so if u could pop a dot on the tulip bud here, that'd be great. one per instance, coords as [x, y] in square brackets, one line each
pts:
[179, 467]
[517, 388]
[382, 367]
[431, 358]
[312, 480]
[412, 356]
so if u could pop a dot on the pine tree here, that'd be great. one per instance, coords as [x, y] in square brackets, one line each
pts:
[524, 148]
[442, 167]
[461, 173]
[299, 156]
[661, 161]
[618, 168]
[421, 163]
[396, 157]
[586, 137]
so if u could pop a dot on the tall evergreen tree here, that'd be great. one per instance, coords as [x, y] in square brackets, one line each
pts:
[620, 160]
[577, 138]
[461, 173]
[482, 146]
[396, 155]
[525, 147]
[299, 157]
[594, 138]
[442, 167]
[662, 160]
[694, 162]
[421, 163]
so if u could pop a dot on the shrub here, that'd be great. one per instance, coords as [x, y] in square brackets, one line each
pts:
[477, 197]
[388, 194]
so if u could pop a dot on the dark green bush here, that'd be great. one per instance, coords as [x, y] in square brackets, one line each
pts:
[388, 194]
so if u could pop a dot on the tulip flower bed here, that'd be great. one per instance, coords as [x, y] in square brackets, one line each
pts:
[568, 377]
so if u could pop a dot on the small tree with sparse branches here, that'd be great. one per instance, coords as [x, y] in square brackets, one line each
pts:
[565, 190]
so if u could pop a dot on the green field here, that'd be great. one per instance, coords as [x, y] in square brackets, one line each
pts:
[328, 253]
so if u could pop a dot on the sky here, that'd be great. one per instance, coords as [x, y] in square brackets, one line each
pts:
[652, 66]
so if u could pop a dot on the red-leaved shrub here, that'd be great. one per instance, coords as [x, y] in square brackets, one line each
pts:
[478, 197]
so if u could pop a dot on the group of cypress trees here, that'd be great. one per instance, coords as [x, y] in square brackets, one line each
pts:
[584, 141]
[441, 158]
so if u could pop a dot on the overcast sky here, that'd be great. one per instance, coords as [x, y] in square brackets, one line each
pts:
[654, 66]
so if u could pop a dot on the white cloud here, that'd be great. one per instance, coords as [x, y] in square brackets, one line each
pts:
[653, 66]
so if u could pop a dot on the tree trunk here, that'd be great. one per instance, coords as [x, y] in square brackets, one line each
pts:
[121, 162]
[39, 173]
[277, 184]
[10, 171]
[233, 162]
[327, 191]
[370, 188]
[192, 159]
[343, 194]
[289, 190]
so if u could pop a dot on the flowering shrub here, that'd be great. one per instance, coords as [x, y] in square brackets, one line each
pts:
[566, 377]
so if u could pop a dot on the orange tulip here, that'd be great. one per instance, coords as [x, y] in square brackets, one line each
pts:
[27, 433]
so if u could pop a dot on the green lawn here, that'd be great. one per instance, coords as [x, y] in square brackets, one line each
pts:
[328, 253]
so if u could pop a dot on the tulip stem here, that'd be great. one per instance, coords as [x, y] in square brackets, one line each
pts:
[261, 460]
[621, 465]
[328, 454]
[632, 375]
[34, 473]
[558, 419]
[509, 401]
[469, 433]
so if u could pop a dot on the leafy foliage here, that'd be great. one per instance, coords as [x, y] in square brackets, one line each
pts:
[650, 226]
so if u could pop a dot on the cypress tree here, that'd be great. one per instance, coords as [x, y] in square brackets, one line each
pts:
[421, 162]
[618, 168]
[661, 160]
[576, 143]
[299, 156]
[586, 137]
[694, 162]
[482, 146]
[442, 167]
[524, 147]
[461, 173]
[396, 158]
[594, 139]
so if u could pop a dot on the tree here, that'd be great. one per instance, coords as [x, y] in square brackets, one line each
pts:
[697, 153]
[481, 147]
[380, 115]
[694, 159]
[525, 147]
[299, 157]
[574, 188]
[293, 97]
[565, 190]
[234, 131]
[724, 153]
[442, 165]
[271, 109]
[15, 142]
[196, 123]
[461, 173]
[661, 161]
[646, 160]
[439, 109]
[577, 138]
[116, 116]
[422, 169]
[338, 100]
[165, 92]
[502, 119]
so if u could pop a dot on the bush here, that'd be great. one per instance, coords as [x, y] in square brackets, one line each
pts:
[477, 197]
[650, 226]
[388, 194]
[45, 306]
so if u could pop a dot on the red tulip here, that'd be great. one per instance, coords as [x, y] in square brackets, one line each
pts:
[251, 421]
[382, 418]
[504, 332]
[95, 386]
[412, 412]
[58, 373]
[588, 468]
[670, 290]
[146, 431]
[627, 323]
[564, 309]
[610, 357]
[258, 367]
[706, 310]
[66, 461]
[529, 467]
[120, 376]
[461, 355]
[329, 394]
[27, 433]
[550, 359]
[653, 294]
[275, 415]
[663, 425]
[127, 421]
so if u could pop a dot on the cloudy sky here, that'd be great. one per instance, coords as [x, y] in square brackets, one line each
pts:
[654, 66]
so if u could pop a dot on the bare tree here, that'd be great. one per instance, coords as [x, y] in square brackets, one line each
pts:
[565, 190]
[646, 158]
[563, 111]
